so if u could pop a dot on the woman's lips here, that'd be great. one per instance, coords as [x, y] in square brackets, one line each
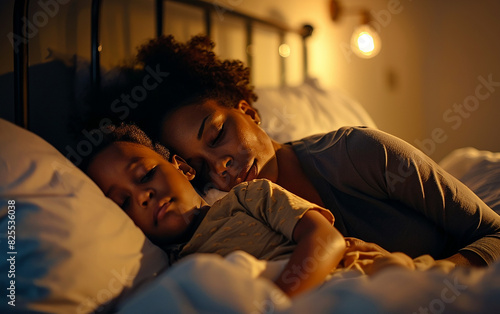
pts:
[252, 172]
[247, 175]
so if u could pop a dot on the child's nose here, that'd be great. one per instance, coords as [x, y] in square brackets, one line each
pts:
[145, 197]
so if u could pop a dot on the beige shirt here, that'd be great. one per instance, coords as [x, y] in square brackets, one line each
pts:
[257, 217]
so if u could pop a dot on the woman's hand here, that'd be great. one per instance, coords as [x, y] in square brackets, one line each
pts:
[355, 244]
[370, 258]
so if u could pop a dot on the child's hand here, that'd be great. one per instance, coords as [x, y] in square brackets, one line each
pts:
[370, 258]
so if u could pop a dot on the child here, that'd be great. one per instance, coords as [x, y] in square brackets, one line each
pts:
[258, 217]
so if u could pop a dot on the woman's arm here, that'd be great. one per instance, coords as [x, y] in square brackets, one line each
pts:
[467, 258]
[450, 205]
[414, 179]
[320, 247]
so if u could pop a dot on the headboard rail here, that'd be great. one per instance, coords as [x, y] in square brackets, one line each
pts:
[21, 63]
[21, 57]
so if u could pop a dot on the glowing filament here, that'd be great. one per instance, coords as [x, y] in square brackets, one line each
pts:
[365, 42]
[284, 50]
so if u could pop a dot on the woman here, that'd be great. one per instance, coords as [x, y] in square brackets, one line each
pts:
[379, 188]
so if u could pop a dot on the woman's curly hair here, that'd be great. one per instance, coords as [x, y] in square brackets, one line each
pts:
[191, 74]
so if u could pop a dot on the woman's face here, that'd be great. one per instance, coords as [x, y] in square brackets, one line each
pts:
[224, 145]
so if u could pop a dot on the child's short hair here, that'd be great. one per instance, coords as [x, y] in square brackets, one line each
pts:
[123, 133]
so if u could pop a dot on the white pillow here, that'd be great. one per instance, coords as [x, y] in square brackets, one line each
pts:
[479, 170]
[292, 113]
[75, 250]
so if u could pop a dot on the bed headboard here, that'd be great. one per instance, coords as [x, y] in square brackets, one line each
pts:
[21, 56]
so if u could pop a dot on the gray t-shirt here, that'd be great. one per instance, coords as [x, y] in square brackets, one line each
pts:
[381, 189]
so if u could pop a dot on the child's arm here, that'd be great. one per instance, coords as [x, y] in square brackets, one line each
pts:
[320, 247]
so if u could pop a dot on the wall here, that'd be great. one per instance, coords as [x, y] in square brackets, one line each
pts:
[433, 55]
[423, 86]
[388, 86]
[462, 52]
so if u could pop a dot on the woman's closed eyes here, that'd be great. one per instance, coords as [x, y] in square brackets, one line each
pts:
[218, 137]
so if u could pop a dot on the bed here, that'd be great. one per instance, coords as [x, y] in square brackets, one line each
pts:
[69, 249]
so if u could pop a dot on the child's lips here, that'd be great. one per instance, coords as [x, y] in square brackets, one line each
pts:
[160, 212]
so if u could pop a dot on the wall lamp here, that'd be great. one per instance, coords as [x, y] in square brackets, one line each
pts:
[365, 41]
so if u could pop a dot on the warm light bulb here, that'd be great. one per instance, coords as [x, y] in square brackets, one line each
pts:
[365, 42]
[284, 50]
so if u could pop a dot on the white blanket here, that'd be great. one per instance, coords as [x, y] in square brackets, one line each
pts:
[239, 284]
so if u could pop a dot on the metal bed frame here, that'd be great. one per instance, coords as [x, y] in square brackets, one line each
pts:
[21, 52]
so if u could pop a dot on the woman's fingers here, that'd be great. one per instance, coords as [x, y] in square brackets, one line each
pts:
[354, 244]
[394, 259]
[371, 258]
[360, 258]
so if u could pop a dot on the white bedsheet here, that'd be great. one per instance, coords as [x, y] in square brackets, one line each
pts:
[238, 284]
[479, 170]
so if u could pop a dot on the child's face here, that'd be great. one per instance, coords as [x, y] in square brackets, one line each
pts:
[155, 193]
[224, 145]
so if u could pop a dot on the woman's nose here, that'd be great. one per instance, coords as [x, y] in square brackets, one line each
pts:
[144, 197]
[223, 165]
